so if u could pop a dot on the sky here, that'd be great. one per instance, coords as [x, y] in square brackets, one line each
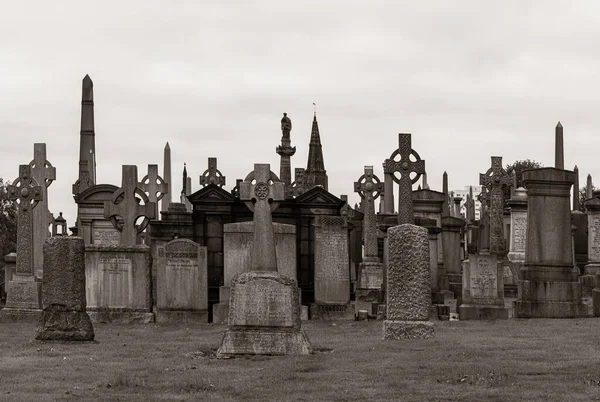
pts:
[468, 79]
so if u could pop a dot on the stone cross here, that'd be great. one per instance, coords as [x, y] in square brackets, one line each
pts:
[236, 190]
[262, 190]
[369, 187]
[44, 174]
[405, 166]
[125, 205]
[298, 185]
[26, 191]
[212, 175]
[154, 185]
[495, 179]
[347, 212]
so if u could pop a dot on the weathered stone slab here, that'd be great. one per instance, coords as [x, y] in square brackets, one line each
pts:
[483, 289]
[332, 272]
[104, 234]
[64, 316]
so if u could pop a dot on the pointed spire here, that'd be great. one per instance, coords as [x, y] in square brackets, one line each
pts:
[588, 188]
[168, 198]
[559, 153]
[87, 140]
[315, 173]
[445, 206]
[167, 146]
[576, 204]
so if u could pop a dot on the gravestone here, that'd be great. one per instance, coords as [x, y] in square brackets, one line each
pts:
[182, 284]
[23, 292]
[405, 166]
[592, 267]
[548, 282]
[495, 179]
[44, 174]
[212, 175]
[118, 277]
[238, 243]
[518, 238]
[264, 315]
[451, 228]
[370, 270]
[332, 270]
[483, 289]
[154, 186]
[408, 284]
[64, 317]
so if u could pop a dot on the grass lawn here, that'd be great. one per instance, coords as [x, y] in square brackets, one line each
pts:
[510, 360]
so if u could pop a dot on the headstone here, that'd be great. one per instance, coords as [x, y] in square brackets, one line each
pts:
[212, 175]
[548, 283]
[518, 240]
[405, 166]
[182, 285]
[44, 174]
[64, 317]
[495, 179]
[408, 284]
[264, 315]
[451, 228]
[154, 186]
[23, 292]
[483, 289]
[332, 270]
[370, 270]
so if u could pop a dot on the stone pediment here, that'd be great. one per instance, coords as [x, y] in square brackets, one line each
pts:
[96, 194]
[318, 195]
[210, 194]
[428, 195]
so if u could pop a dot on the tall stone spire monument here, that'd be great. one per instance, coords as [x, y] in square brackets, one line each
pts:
[87, 139]
[315, 174]
[286, 151]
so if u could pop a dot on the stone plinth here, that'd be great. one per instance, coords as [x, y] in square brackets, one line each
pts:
[181, 284]
[118, 284]
[548, 283]
[483, 289]
[408, 284]
[23, 299]
[64, 316]
[264, 317]
[451, 228]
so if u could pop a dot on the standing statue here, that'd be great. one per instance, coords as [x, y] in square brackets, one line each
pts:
[286, 126]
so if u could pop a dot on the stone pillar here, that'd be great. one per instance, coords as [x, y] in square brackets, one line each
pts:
[451, 249]
[548, 284]
[518, 238]
[64, 316]
[388, 190]
[409, 290]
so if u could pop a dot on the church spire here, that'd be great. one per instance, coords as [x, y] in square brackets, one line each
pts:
[315, 173]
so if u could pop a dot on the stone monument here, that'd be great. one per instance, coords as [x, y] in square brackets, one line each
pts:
[64, 317]
[286, 151]
[264, 315]
[494, 180]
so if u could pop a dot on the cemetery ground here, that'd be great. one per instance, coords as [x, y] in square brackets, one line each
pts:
[503, 360]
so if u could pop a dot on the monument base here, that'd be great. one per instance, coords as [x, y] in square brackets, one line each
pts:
[393, 330]
[176, 316]
[63, 325]
[327, 312]
[592, 268]
[19, 315]
[588, 283]
[549, 309]
[121, 317]
[364, 299]
[482, 312]
[264, 341]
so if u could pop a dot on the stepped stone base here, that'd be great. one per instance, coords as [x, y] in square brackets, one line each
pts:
[482, 312]
[62, 325]
[121, 317]
[264, 341]
[407, 330]
[174, 316]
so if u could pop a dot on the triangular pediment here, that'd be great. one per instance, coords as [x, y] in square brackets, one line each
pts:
[318, 195]
[211, 193]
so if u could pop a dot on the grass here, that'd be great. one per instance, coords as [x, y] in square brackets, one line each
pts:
[510, 360]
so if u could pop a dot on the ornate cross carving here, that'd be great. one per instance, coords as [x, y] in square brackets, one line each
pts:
[125, 205]
[494, 180]
[369, 187]
[405, 166]
[212, 175]
[26, 191]
[154, 186]
[262, 190]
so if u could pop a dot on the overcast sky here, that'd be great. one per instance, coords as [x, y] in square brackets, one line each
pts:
[468, 79]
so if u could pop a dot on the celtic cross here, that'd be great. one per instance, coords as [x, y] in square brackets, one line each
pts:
[154, 186]
[494, 180]
[369, 187]
[405, 166]
[298, 184]
[261, 189]
[124, 204]
[26, 191]
[212, 175]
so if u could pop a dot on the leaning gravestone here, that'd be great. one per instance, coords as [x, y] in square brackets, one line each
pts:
[23, 292]
[181, 284]
[332, 270]
[118, 279]
[408, 284]
[483, 289]
[264, 315]
[64, 317]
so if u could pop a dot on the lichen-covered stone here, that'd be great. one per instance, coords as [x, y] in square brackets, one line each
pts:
[63, 292]
[407, 330]
[408, 274]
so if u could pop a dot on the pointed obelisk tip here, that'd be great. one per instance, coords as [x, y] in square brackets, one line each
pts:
[87, 82]
[167, 146]
[575, 169]
[559, 125]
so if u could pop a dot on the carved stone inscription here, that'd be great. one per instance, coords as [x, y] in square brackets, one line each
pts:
[106, 236]
[116, 284]
[484, 278]
[519, 232]
[262, 303]
[594, 234]
[332, 273]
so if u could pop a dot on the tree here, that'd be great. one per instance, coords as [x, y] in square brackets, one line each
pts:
[519, 166]
[583, 196]
[8, 226]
